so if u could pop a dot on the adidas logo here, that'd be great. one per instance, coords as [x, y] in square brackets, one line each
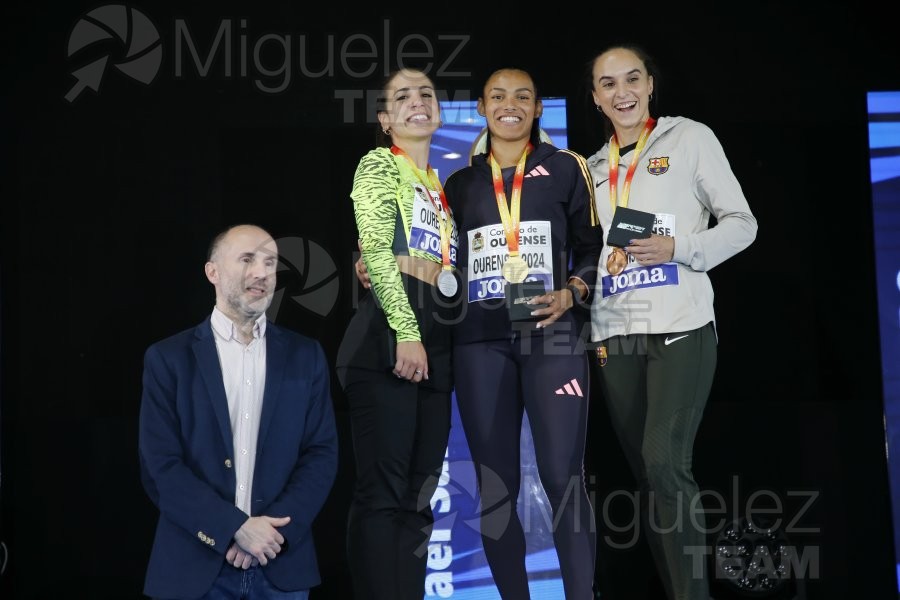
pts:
[537, 172]
[570, 389]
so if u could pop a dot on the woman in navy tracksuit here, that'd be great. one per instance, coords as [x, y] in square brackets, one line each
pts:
[503, 367]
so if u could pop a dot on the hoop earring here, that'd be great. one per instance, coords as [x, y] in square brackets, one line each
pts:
[650, 99]
[599, 110]
[386, 131]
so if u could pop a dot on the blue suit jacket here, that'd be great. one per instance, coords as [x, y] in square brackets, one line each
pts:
[187, 454]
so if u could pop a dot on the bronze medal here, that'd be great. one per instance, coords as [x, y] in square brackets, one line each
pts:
[616, 261]
[515, 270]
[618, 258]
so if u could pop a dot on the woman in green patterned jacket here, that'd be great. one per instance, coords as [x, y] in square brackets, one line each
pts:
[394, 360]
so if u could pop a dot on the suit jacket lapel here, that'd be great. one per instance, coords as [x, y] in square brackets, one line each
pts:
[211, 371]
[276, 361]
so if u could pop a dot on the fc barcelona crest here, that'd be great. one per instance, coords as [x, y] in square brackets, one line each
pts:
[658, 166]
[602, 356]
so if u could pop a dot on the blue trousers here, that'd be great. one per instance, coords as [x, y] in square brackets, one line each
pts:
[251, 584]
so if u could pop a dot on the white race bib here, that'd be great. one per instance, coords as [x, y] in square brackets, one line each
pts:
[425, 229]
[664, 224]
[636, 277]
[488, 252]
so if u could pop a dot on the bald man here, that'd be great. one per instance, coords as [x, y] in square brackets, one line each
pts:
[237, 440]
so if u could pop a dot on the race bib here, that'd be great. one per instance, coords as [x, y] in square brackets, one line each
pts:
[488, 252]
[664, 224]
[425, 229]
[636, 277]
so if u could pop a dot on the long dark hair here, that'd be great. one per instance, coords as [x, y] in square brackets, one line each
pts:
[535, 137]
[588, 82]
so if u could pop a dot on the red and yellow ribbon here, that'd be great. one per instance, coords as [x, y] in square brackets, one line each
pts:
[434, 184]
[614, 165]
[509, 215]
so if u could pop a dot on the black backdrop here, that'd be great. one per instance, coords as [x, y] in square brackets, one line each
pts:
[108, 203]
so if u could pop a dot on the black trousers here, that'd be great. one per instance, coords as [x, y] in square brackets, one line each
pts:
[400, 431]
[548, 377]
[656, 388]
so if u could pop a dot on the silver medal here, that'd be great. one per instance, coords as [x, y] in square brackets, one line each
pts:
[447, 283]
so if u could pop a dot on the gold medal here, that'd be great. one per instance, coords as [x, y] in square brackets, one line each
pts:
[616, 261]
[515, 270]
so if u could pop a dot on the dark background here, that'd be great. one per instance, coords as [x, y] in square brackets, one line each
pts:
[108, 204]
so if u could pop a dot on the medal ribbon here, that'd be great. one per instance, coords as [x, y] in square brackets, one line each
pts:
[509, 215]
[434, 183]
[614, 165]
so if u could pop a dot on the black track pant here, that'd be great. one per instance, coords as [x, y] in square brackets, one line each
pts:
[400, 432]
[547, 376]
[656, 387]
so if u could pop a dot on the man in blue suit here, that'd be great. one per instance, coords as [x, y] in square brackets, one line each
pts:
[237, 440]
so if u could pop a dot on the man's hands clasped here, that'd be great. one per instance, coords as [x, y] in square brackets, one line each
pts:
[257, 542]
